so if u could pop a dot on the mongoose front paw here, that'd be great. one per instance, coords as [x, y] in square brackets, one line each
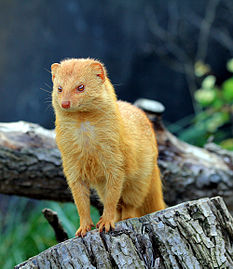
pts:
[83, 229]
[105, 224]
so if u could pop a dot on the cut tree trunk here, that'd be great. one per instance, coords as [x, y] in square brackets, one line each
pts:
[30, 165]
[196, 234]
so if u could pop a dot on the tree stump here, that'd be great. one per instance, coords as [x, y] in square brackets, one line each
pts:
[194, 234]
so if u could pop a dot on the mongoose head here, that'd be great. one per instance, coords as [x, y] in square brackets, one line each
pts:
[78, 84]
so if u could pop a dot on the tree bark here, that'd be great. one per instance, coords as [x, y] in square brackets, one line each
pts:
[196, 234]
[30, 165]
[190, 172]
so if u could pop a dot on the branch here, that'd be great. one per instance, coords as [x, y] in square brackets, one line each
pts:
[205, 27]
[30, 166]
[165, 36]
[181, 60]
[222, 36]
[195, 234]
[53, 220]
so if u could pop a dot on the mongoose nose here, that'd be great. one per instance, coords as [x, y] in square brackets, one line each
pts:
[65, 104]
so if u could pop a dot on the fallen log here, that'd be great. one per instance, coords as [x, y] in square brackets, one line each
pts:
[30, 166]
[190, 172]
[194, 234]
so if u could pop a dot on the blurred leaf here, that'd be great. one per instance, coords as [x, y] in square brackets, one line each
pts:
[230, 65]
[180, 124]
[218, 103]
[227, 144]
[196, 134]
[217, 120]
[205, 96]
[228, 90]
[201, 69]
[208, 82]
[202, 116]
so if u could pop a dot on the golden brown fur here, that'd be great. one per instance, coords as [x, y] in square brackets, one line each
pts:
[106, 144]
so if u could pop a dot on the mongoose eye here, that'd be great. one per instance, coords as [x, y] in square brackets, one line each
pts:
[59, 89]
[80, 88]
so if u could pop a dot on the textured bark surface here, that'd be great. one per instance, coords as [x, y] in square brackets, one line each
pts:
[196, 234]
[30, 165]
[191, 172]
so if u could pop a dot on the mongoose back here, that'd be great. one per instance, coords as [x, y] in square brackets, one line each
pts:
[106, 144]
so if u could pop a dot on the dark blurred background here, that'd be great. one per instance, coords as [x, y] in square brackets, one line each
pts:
[149, 48]
[177, 52]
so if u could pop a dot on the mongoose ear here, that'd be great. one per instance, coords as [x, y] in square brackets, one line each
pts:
[53, 69]
[99, 70]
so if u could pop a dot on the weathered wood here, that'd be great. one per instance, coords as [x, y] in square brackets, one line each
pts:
[196, 234]
[191, 172]
[30, 165]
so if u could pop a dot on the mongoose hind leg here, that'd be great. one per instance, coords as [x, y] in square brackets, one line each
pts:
[154, 200]
[118, 215]
[129, 211]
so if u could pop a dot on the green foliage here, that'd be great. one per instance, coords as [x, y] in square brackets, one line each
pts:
[228, 90]
[227, 144]
[230, 65]
[24, 232]
[216, 109]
